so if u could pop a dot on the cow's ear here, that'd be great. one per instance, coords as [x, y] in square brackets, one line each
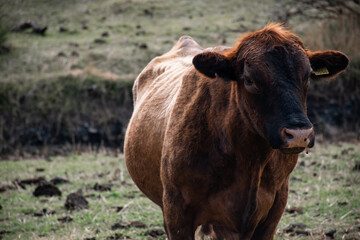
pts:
[212, 64]
[327, 64]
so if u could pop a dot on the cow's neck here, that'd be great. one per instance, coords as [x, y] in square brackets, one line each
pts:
[247, 143]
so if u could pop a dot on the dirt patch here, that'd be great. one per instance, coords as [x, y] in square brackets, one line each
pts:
[59, 180]
[102, 187]
[44, 212]
[357, 166]
[121, 225]
[47, 189]
[116, 236]
[294, 210]
[65, 219]
[156, 233]
[76, 201]
[4, 188]
[296, 229]
[31, 181]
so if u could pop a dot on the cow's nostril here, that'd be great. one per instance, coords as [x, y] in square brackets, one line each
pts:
[297, 137]
[287, 134]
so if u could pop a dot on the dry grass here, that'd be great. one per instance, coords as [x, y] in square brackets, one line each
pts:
[342, 34]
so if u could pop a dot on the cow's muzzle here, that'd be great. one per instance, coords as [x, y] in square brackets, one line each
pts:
[296, 140]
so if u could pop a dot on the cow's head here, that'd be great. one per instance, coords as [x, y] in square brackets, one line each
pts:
[272, 70]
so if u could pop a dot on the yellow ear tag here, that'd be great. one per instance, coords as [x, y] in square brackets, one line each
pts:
[321, 71]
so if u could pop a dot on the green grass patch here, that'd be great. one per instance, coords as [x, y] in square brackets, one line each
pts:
[324, 185]
[19, 205]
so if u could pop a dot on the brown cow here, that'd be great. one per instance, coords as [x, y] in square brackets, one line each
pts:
[215, 133]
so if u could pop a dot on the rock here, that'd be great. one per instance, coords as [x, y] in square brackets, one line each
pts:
[47, 189]
[76, 201]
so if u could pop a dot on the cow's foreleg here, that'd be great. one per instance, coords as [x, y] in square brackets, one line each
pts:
[178, 218]
[266, 230]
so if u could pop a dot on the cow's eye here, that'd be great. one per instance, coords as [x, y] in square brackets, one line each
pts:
[250, 86]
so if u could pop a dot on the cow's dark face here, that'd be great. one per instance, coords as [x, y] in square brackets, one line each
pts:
[273, 71]
[274, 85]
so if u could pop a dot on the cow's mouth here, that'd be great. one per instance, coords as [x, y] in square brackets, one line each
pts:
[295, 150]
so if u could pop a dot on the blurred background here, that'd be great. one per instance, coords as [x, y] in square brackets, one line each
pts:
[67, 67]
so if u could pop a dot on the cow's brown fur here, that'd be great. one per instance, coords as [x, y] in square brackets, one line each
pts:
[192, 145]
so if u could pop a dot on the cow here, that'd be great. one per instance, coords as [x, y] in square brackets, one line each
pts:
[216, 132]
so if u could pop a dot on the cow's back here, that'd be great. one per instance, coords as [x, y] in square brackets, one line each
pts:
[155, 92]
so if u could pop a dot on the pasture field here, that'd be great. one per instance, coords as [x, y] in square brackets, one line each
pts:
[324, 201]
[74, 80]
[76, 77]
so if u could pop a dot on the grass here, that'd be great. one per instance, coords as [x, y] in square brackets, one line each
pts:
[66, 78]
[128, 24]
[19, 206]
[324, 185]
